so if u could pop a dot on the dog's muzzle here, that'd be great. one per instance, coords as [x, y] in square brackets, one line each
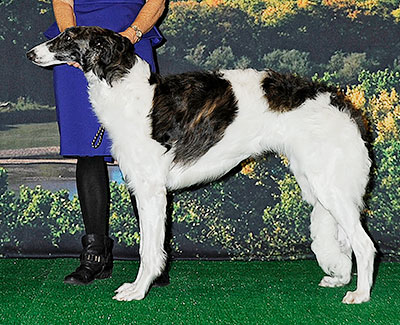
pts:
[31, 55]
[41, 56]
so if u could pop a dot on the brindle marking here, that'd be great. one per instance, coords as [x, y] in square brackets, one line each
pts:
[192, 111]
[285, 92]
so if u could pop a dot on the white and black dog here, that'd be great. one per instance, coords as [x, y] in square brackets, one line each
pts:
[172, 132]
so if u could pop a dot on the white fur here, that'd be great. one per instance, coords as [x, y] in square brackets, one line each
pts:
[44, 57]
[324, 147]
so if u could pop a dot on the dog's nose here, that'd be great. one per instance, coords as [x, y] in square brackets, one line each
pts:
[31, 55]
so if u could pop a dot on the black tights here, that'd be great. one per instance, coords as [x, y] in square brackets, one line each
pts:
[94, 194]
[93, 186]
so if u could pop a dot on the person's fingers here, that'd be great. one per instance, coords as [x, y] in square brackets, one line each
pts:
[75, 64]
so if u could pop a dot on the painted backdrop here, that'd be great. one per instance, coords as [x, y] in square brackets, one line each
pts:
[255, 212]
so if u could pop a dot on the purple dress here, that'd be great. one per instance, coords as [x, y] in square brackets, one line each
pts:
[76, 120]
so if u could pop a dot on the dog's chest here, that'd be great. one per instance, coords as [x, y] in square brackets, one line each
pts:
[122, 109]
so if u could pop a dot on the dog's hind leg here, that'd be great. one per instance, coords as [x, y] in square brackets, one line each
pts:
[331, 247]
[340, 197]
[151, 201]
[347, 216]
[328, 150]
[330, 244]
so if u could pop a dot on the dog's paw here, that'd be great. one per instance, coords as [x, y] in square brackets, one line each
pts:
[332, 282]
[124, 287]
[129, 292]
[355, 297]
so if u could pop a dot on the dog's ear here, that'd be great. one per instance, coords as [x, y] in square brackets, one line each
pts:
[103, 48]
[96, 44]
[106, 55]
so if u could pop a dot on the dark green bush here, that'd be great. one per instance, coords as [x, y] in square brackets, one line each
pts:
[288, 61]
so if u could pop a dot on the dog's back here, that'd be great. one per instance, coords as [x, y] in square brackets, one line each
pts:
[190, 128]
[211, 121]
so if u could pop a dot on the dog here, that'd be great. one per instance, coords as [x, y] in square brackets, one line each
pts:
[172, 132]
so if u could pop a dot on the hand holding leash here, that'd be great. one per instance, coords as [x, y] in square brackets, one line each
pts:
[75, 64]
[133, 33]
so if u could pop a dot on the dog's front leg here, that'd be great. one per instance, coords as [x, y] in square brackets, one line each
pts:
[151, 201]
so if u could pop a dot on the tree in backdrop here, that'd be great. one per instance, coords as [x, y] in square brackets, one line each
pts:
[341, 42]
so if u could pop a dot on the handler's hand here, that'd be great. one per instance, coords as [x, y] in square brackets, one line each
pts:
[130, 34]
[75, 64]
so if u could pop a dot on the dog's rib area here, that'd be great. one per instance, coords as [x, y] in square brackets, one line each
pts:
[190, 112]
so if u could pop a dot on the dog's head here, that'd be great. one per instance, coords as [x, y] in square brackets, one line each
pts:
[106, 53]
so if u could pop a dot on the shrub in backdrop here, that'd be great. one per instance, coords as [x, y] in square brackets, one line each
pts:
[288, 61]
[267, 220]
[8, 212]
[373, 83]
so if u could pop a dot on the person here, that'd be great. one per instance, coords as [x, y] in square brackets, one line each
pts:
[78, 126]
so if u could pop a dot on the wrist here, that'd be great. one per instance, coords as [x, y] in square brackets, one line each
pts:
[137, 32]
[130, 34]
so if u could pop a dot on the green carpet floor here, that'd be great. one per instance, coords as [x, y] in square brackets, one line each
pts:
[32, 292]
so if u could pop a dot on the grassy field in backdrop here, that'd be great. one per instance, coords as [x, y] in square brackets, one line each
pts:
[201, 292]
[29, 135]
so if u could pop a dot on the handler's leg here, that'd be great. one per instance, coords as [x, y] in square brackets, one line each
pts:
[94, 196]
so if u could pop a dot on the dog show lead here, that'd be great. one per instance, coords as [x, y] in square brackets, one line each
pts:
[135, 20]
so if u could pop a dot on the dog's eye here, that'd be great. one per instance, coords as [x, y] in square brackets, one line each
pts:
[68, 38]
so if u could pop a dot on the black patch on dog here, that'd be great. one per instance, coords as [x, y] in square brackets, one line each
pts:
[191, 112]
[116, 57]
[65, 47]
[286, 92]
[109, 55]
[154, 78]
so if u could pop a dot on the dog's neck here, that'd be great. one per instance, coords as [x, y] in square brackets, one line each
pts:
[134, 69]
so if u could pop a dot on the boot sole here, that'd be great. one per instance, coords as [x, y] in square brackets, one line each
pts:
[103, 275]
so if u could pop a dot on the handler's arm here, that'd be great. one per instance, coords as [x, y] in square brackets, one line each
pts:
[146, 19]
[64, 13]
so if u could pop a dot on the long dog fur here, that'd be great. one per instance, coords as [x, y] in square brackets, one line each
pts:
[171, 132]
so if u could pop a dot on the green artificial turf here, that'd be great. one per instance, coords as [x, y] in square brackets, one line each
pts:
[32, 292]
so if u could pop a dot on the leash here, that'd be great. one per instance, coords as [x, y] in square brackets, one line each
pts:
[98, 138]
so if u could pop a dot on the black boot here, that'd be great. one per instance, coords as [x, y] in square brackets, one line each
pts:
[96, 260]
